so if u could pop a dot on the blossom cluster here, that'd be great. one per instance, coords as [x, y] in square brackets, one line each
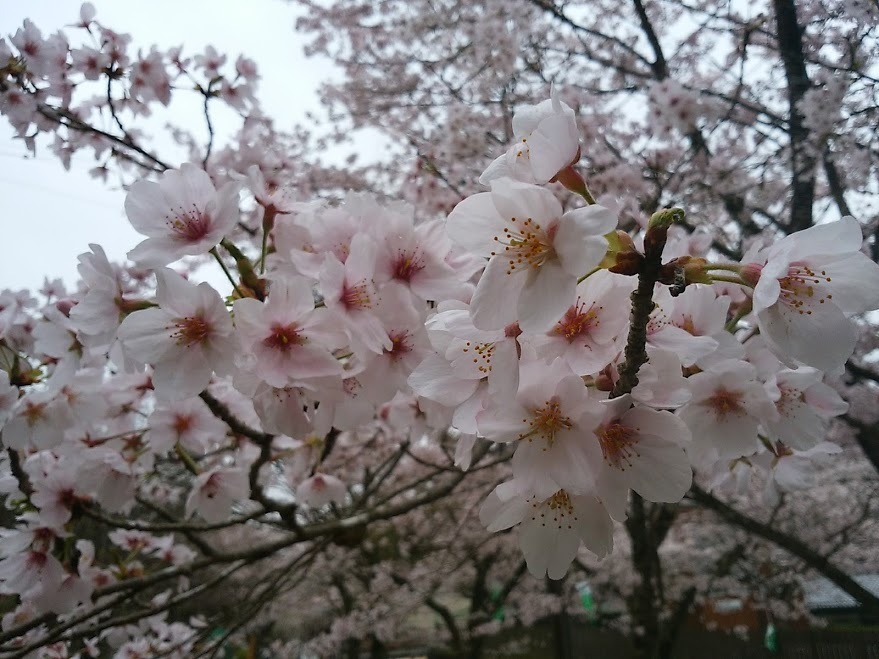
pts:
[510, 321]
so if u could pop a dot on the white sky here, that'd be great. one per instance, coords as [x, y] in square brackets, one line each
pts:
[49, 215]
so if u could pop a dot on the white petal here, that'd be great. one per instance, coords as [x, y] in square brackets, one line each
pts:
[545, 297]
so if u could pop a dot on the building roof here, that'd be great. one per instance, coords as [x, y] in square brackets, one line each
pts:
[821, 593]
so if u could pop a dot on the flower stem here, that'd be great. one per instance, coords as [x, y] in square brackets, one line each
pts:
[228, 274]
[188, 462]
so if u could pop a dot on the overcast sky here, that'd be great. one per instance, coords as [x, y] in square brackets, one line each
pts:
[48, 215]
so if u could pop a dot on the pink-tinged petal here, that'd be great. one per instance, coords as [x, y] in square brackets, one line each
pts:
[464, 418]
[146, 207]
[660, 424]
[731, 438]
[823, 339]
[503, 379]
[794, 473]
[498, 168]
[147, 335]
[564, 465]
[578, 254]
[175, 293]
[798, 427]
[593, 525]
[592, 220]
[498, 514]
[613, 490]
[331, 280]
[248, 314]
[464, 451]
[186, 376]
[360, 263]
[854, 282]
[226, 212]
[290, 298]
[191, 185]
[661, 470]
[825, 401]
[527, 118]
[433, 379]
[502, 424]
[321, 489]
[766, 292]
[689, 348]
[156, 252]
[368, 330]
[553, 146]
[310, 362]
[523, 201]
[545, 297]
[474, 223]
[493, 305]
[841, 237]
[548, 550]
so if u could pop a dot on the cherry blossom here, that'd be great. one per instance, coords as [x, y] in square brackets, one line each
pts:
[551, 530]
[811, 282]
[214, 492]
[288, 338]
[552, 420]
[181, 214]
[536, 252]
[546, 141]
[186, 339]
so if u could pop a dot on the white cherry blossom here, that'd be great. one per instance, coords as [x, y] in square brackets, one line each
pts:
[536, 252]
[810, 284]
[186, 339]
[181, 214]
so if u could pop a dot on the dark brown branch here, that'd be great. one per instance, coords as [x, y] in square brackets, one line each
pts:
[642, 307]
[659, 65]
[790, 47]
[222, 412]
[789, 543]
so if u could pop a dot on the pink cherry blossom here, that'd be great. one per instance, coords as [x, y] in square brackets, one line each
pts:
[551, 529]
[286, 336]
[536, 252]
[642, 450]
[546, 141]
[811, 283]
[214, 492]
[186, 339]
[320, 490]
[589, 335]
[552, 420]
[181, 214]
[727, 406]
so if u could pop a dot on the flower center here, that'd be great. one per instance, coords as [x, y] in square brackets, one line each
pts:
[559, 506]
[798, 288]
[482, 353]
[407, 265]
[725, 403]
[189, 225]
[789, 401]
[357, 296]
[400, 345]
[33, 413]
[284, 337]
[182, 423]
[546, 422]
[190, 330]
[576, 321]
[618, 444]
[526, 245]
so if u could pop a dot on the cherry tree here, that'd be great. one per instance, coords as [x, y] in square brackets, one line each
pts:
[626, 271]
